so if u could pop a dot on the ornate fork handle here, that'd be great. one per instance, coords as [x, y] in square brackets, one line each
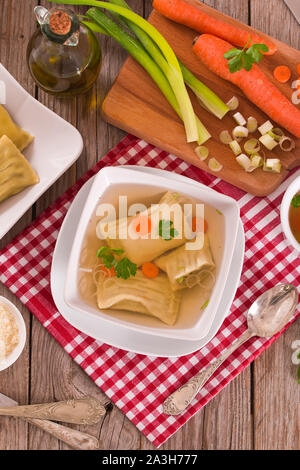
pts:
[86, 410]
[179, 400]
[75, 439]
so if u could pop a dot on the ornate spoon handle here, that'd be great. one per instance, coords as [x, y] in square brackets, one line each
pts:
[75, 439]
[85, 410]
[179, 400]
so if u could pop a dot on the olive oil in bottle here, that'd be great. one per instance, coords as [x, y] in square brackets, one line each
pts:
[63, 55]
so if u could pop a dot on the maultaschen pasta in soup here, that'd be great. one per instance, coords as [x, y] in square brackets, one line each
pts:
[145, 262]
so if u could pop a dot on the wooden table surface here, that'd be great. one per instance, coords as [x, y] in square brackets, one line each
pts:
[260, 409]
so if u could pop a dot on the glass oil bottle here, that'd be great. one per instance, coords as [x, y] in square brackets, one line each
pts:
[63, 55]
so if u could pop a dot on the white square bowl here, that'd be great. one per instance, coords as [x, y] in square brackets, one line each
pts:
[192, 323]
[56, 146]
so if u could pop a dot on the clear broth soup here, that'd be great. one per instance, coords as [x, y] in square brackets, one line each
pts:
[192, 300]
[294, 218]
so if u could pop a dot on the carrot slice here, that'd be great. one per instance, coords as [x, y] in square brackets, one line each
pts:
[266, 96]
[109, 272]
[150, 270]
[142, 225]
[199, 224]
[298, 69]
[194, 17]
[282, 73]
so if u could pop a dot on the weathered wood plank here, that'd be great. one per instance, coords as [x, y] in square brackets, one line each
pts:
[14, 29]
[276, 391]
[226, 422]
[229, 412]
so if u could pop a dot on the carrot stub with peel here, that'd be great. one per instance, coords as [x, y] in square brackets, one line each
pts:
[199, 224]
[194, 17]
[150, 270]
[254, 83]
[282, 73]
[142, 225]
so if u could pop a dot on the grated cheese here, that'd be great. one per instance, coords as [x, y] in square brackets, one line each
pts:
[9, 333]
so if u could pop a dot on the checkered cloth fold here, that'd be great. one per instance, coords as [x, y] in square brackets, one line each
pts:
[139, 384]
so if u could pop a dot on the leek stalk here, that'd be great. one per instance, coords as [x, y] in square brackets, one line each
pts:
[103, 23]
[174, 72]
[137, 51]
[207, 98]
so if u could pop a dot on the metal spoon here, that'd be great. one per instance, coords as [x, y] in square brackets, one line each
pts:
[266, 317]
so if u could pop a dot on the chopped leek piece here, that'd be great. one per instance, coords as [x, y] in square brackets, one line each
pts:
[276, 134]
[245, 163]
[235, 147]
[233, 103]
[252, 146]
[268, 142]
[265, 128]
[202, 152]
[252, 124]
[288, 140]
[214, 165]
[225, 137]
[240, 131]
[272, 165]
[256, 161]
[239, 119]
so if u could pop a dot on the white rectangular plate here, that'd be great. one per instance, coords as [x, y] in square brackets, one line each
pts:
[57, 145]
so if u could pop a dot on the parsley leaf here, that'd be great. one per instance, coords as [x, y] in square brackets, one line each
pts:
[125, 268]
[296, 201]
[108, 256]
[244, 59]
[166, 231]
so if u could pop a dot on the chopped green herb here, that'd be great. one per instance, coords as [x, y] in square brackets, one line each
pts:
[124, 268]
[108, 256]
[244, 59]
[166, 231]
[296, 201]
[180, 280]
[219, 212]
[205, 305]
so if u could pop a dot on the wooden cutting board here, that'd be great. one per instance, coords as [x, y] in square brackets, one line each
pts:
[136, 105]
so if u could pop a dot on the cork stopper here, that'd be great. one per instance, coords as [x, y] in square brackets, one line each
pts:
[60, 23]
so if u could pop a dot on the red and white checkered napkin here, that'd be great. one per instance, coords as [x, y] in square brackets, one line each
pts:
[138, 384]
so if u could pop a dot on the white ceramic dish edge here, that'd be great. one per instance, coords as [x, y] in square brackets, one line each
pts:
[292, 189]
[120, 337]
[226, 204]
[20, 102]
[17, 351]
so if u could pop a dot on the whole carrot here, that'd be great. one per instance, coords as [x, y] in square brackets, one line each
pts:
[193, 17]
[255, 84]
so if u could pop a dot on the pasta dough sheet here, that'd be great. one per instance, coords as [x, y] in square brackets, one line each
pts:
[138, 294]
[15, 171]
[9, 128]
[180, 264]
[141, 250]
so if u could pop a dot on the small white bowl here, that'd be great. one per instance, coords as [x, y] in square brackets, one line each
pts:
[292, 189]
[15, 354]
